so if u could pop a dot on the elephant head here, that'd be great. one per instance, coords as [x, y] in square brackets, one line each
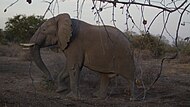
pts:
[55, 31]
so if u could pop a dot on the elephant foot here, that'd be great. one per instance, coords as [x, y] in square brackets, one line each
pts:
[134, 95]
[61, 89]
[135, 98]
[72, 95]
[132, 99]
[99, 95]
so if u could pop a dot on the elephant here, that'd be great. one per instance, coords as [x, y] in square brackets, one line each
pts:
[103, 49]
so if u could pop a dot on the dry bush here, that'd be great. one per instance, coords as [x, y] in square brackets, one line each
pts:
[3, 50]
[14, 50]
[25, 55]
[183, 59]
[143, 54]
[147, 67]
[11, 50]
[148, 72]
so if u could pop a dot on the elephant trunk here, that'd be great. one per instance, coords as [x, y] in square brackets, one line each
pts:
[35, 53]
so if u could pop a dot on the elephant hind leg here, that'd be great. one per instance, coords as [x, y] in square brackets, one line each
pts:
[132, 86]
[104, 82]
[74, 74]
[132, 90]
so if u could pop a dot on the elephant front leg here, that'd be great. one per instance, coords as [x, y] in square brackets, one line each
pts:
[104, 82]
[133, 90]
[74, 81]
[63, 82]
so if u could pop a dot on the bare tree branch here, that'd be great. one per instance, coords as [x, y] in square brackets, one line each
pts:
[10, 5]
[179, 23]
[48, 8]
[144, 4]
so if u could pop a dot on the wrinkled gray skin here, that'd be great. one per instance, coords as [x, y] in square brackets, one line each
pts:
[102, 49]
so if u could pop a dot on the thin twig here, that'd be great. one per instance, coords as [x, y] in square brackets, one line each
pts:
[81, 7]
[113, 16]
[48, 8]
[77, 9]
[32, 79]
[165, 23]
[99, 16]
[179, 23]
[147, 5]
[5, 10]
[154, 20]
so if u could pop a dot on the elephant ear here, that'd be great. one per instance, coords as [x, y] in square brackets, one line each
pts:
[64, 32]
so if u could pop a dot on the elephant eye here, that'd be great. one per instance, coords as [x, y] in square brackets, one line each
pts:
[43, 29]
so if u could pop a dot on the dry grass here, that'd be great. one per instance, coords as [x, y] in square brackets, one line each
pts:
[14, 50]
[171, 90]
[143, 54]
[183, 59]
[147, 73]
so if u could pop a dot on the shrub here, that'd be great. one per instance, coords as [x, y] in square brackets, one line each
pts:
[149, 42]
[10, 50]
[183, 59]
[20, 28]
[184, 47]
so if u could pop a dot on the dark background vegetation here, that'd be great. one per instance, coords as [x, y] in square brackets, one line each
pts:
[20, 28]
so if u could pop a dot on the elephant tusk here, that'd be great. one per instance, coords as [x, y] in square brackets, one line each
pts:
[27, 44]
[25, 48]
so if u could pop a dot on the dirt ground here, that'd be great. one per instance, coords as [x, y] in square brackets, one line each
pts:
[23, 85]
